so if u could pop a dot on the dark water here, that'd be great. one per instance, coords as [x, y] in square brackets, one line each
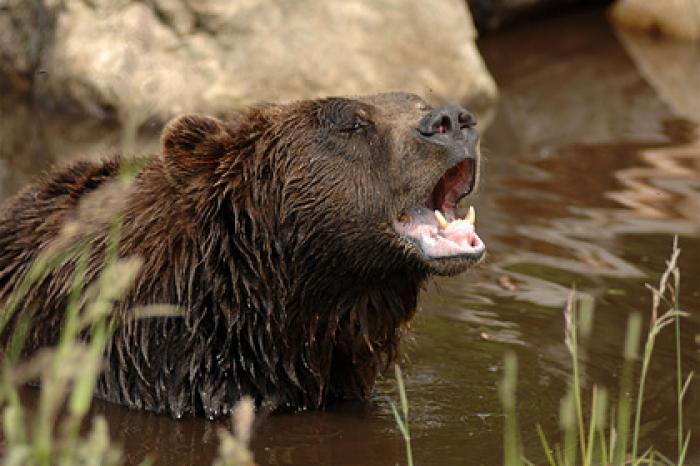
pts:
[592, 166]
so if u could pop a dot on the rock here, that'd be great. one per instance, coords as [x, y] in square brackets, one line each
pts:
[679, 19]
[145, 59]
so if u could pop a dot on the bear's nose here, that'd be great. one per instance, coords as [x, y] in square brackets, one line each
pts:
[448, 119]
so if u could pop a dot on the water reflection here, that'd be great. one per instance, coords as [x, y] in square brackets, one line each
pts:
[666, 187]
[592, 166]
[32, 140]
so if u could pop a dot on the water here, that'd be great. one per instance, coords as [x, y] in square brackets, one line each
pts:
[592, 166]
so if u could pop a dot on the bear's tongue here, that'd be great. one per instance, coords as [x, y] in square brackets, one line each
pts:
[437, 236]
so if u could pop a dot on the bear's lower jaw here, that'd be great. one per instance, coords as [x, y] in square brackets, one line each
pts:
[447, 245]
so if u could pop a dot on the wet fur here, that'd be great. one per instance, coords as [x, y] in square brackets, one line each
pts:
[286, 294]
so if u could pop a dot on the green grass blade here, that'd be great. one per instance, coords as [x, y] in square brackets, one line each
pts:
[684, 450]
[680, 387]
[591, 428]
[686, 385]
[664, 459]
[399, 422]
[403, 422]
[545, 445]
[402, 390]
[646, 360]
[507, 390]
[567, 419]
[634, 329]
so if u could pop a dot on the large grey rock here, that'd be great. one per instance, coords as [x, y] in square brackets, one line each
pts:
[162, 57]
[679, 19]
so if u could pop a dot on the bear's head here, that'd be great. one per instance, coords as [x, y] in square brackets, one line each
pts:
[368, 185]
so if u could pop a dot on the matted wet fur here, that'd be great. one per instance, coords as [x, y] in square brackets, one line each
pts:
[272, 233]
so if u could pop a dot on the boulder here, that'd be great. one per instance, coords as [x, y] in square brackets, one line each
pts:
[143, 59]
[679, 19]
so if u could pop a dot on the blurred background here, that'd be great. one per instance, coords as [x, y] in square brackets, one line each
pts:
[589, 112]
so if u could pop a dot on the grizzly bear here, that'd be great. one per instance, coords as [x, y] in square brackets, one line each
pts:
[294, 238]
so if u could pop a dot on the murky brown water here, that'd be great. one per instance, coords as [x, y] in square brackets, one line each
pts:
[592, 167]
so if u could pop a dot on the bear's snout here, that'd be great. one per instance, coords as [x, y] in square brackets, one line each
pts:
[450, 120]
[451, 127]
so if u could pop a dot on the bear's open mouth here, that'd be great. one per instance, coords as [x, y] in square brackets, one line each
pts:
[434, 227]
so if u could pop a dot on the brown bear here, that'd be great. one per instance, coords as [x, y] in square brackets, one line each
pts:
[295, 239]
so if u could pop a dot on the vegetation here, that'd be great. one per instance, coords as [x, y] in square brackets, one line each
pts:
[68, 373]
[595, 438]
[402, 418]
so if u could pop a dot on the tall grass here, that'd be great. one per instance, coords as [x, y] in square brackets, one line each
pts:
[68, 372]
[591, 440]
[51, 434]
[602, 435]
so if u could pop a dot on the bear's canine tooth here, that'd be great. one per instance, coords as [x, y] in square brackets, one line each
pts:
[471, 215]
[441, 219]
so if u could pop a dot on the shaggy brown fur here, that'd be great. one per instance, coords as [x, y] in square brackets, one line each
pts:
[272, 233]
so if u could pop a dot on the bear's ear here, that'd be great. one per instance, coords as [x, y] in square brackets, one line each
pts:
[193, 143]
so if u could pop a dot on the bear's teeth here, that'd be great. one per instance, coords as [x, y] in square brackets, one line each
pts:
[441, 219]
[404, 218]
[471, 215]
